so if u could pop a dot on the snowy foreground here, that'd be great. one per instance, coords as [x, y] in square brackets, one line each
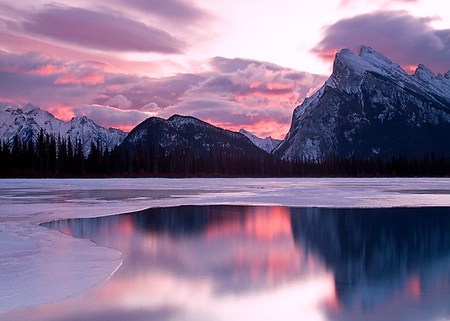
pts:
[30, 254]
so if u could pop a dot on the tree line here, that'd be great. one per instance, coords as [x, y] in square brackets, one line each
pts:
[51, 156]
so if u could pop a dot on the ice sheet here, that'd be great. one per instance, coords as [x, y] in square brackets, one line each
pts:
[34, 267]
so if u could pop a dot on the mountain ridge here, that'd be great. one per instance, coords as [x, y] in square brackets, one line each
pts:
[267, 144]
[370, 107]
[185, 132]
[28, 121]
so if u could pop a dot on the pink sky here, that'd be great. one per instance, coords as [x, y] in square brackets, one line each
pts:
[236, 64]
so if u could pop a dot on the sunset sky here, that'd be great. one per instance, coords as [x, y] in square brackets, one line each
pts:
[236, 64]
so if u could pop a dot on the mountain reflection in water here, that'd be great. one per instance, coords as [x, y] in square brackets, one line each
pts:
[254, 262]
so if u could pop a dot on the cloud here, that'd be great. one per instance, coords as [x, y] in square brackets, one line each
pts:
[249, 94]
[88, 78]
[144, 91]
[234, 93]
[49, 69]
[226, 65]
[119, 101]
[386, 2]
[150, 107]
[174, 10]
[112, 117]
[99, 30]
[405, 39]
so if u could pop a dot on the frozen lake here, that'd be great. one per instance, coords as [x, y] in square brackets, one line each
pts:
[44, 272]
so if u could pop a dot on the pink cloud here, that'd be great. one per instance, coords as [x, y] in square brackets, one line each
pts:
[90, 78]
[256, 95]
[247, 94]
[49, 69]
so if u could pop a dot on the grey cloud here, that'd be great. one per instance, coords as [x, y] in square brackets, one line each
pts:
[142, 91]
[100, 30]
[175, 10]
[405, 39]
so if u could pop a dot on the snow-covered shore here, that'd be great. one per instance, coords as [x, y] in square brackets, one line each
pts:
[34, 267]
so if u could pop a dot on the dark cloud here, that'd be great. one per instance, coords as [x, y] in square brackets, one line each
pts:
[405, 39]
[173, 10]
[99, 30]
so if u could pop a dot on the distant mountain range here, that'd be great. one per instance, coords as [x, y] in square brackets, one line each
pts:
[27, 122]
[267, 144]
[369, 107]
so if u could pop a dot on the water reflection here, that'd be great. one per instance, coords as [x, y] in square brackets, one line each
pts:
[271, 263]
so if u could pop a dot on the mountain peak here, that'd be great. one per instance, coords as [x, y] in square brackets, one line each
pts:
[268, 144]
[180, 120]
[28, 121]
[189, 135]
[372, 56]
[348, 59]
[371, 107]
[367, 60]
[423, 73]
[177, 117]
[29, 108]
[81, 120]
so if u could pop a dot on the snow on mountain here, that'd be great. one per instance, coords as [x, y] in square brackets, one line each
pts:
[27, 122]
[371, 107]
[268, 144]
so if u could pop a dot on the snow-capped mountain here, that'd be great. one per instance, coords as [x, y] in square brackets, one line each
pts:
[371, 107]
[27, 122]
[268, 144]
[189, 134]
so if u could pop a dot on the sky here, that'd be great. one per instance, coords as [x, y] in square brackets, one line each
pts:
[235, 64]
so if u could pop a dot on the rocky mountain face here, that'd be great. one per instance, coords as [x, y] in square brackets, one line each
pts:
[370, 107]
[268, 144]
[188, 134]
[27, 122]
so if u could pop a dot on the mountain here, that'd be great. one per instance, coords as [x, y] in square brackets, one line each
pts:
[27, 122]
[371, 107]
[190, 134]
[183, 144]
[268, 144]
